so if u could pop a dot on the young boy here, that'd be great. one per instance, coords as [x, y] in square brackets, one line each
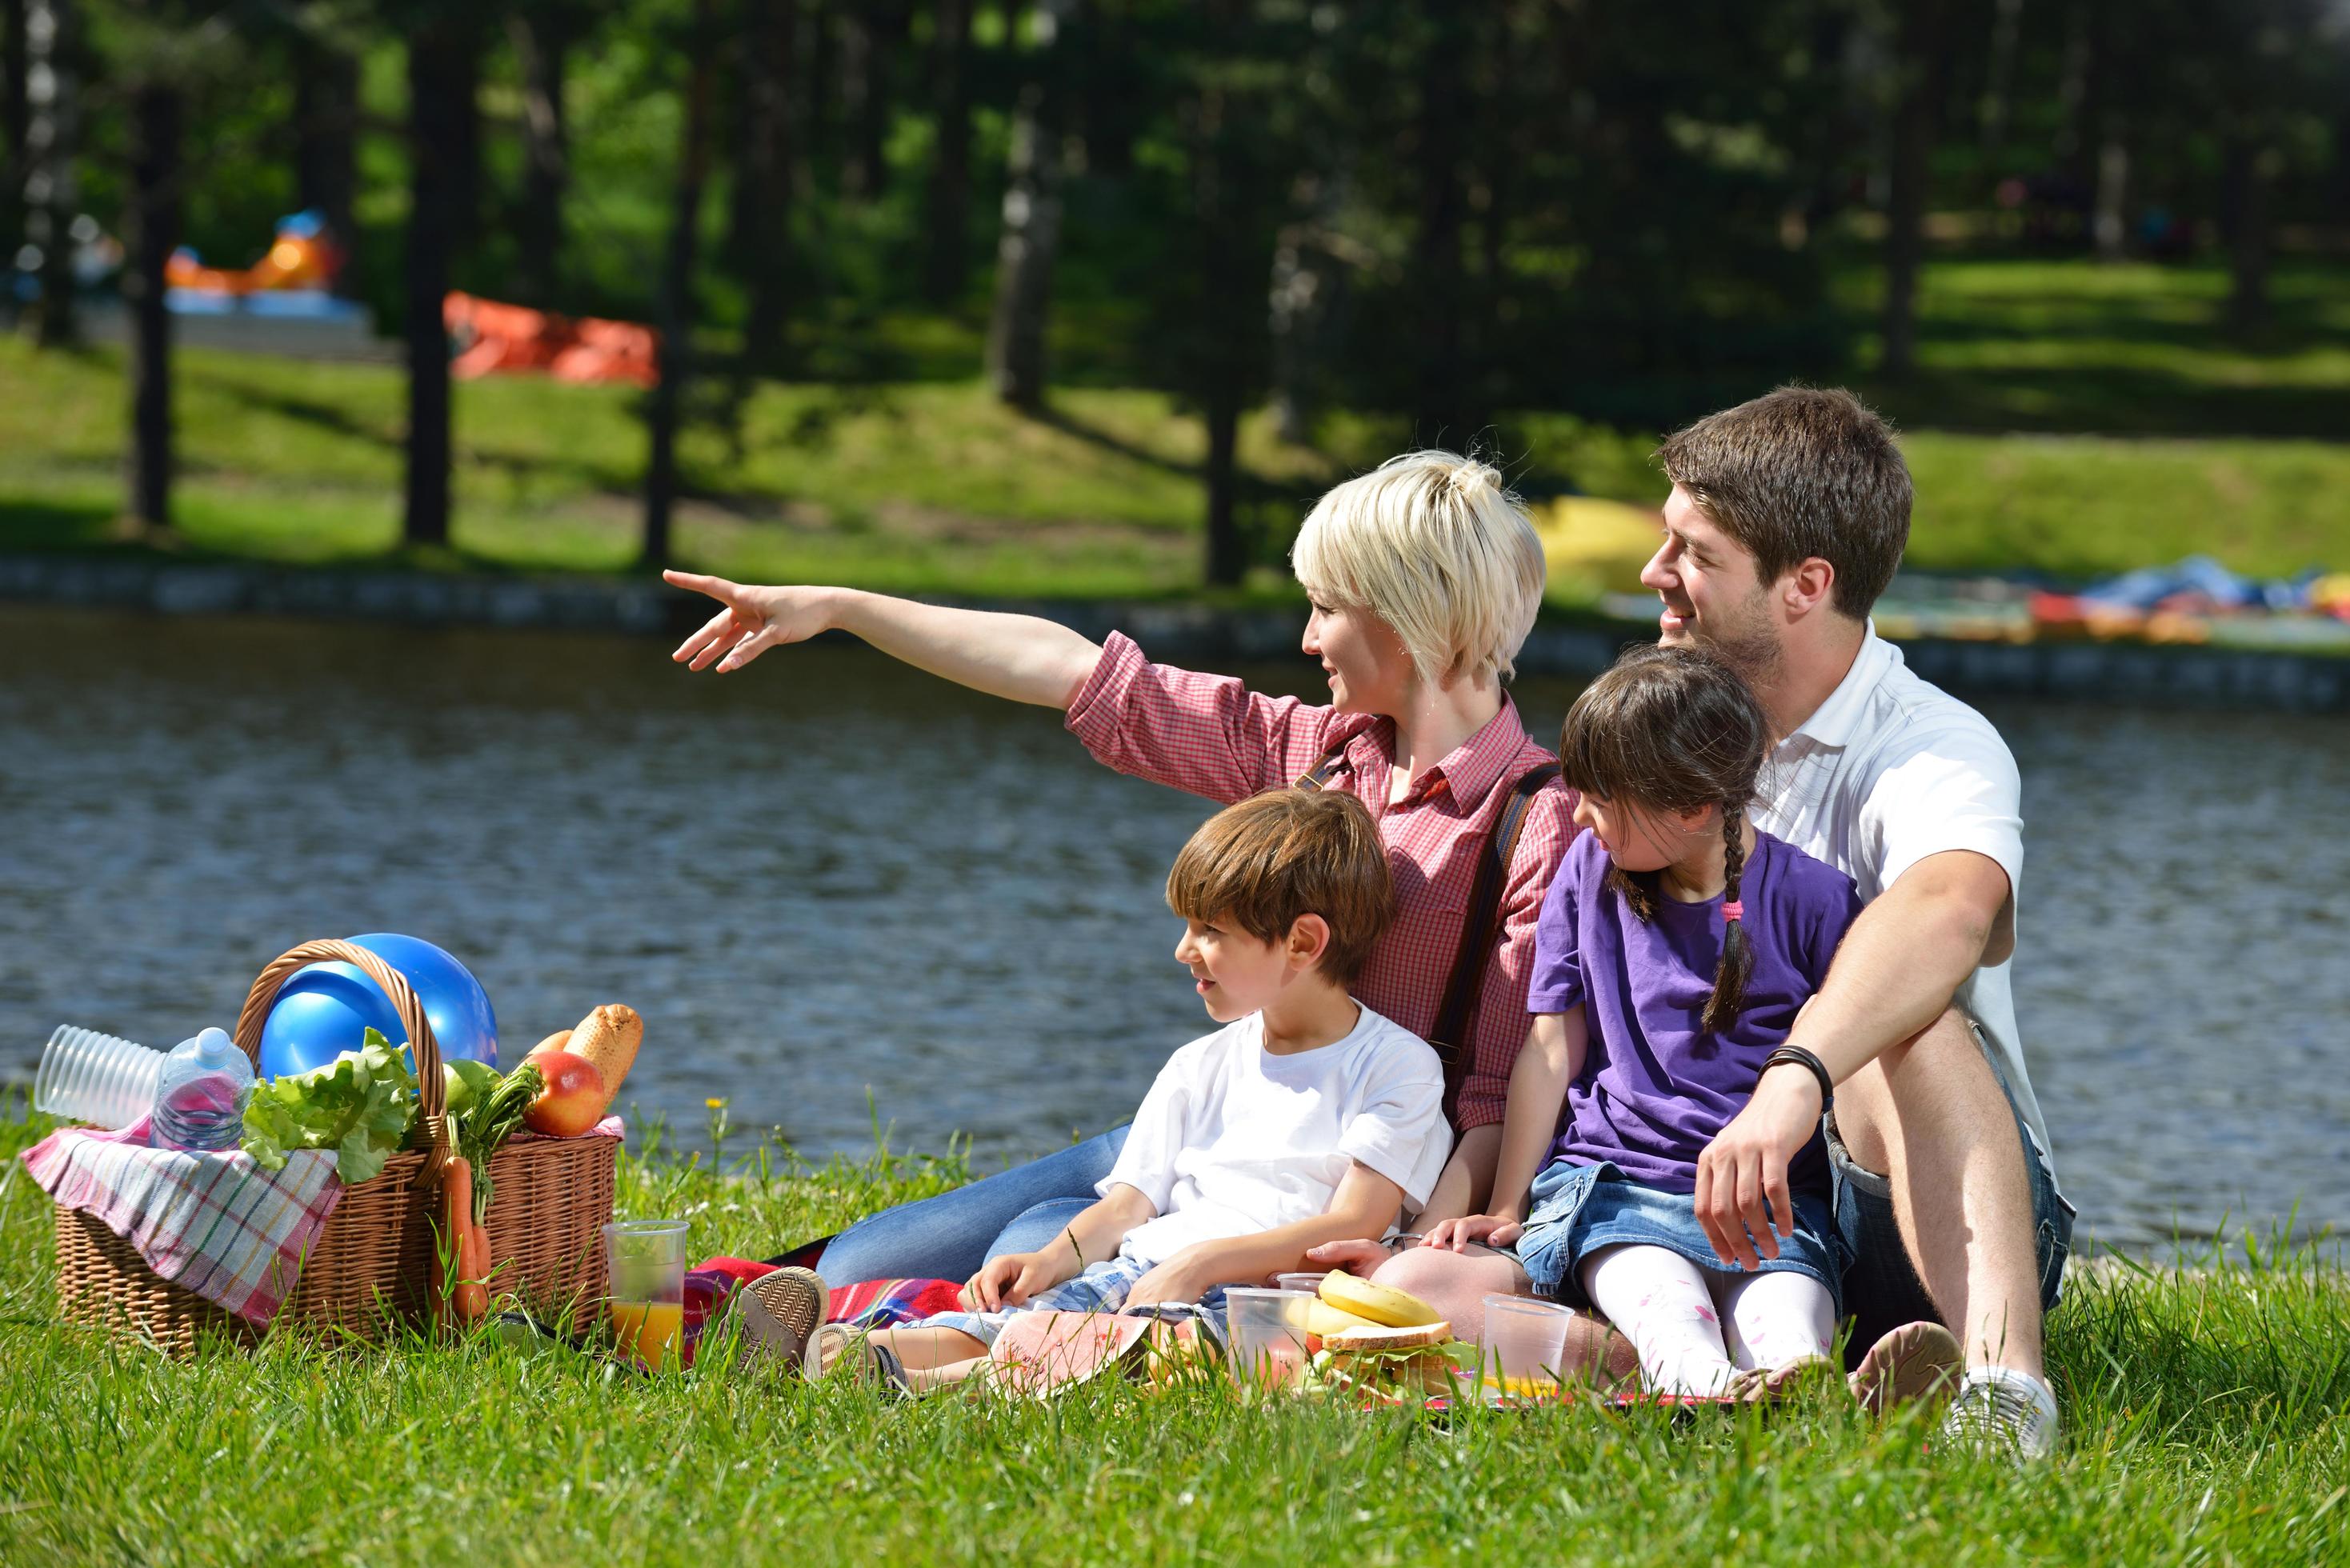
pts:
[1307, 1118]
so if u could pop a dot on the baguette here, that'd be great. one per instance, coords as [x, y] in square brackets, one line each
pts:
[558, 1041]
[608, 1039]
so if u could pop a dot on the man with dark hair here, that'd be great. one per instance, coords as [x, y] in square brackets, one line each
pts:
[1787, 517]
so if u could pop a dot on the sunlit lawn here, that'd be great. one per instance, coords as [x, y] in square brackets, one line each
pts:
[2207, 1424]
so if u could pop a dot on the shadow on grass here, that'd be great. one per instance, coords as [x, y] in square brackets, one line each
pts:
[38, 525]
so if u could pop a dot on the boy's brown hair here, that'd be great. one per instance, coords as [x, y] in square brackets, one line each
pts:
[1798, 473]
[1289, 851]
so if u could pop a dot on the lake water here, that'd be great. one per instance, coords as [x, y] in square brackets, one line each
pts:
[846, 895]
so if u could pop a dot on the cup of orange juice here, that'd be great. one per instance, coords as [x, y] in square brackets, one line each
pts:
[646, 1263]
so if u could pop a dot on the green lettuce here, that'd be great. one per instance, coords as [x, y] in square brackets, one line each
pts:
[359, 1105]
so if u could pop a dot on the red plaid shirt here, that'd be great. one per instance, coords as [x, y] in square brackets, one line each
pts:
[1209, 735]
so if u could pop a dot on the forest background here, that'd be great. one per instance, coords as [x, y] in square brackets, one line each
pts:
[1092, 296]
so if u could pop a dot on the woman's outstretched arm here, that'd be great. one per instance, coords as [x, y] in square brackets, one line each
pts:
[1024, 657]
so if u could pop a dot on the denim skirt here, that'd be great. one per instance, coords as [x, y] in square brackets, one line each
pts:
[1579, 1208]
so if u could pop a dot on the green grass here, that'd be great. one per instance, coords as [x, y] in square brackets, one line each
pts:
[2066, 418]
[2206, 1410]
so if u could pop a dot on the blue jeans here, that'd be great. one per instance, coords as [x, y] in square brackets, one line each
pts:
[949, 1236]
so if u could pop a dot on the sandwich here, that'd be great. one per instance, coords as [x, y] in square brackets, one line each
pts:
[1382, 1343]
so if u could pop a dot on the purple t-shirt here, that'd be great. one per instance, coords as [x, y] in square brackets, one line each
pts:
[1656, 1086]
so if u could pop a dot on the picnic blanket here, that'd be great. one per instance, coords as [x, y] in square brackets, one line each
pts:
[216, 1224]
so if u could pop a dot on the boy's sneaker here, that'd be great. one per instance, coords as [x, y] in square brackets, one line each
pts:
[780, 1313]
[2000, 1408]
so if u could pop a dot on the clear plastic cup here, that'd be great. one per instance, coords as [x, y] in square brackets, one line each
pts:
[1311, 1283]
[86, 1076]
[1525, 1342]
[1268, 1336]
[646, 1270]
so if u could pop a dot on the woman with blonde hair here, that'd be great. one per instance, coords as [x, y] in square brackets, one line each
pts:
[1424, 577]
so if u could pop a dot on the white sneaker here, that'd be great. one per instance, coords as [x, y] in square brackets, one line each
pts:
[1999, 1408]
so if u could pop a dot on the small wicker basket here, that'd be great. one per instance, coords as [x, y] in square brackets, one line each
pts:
[369, 1273]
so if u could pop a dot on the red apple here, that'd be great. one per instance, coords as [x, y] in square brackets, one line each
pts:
[574, 1098]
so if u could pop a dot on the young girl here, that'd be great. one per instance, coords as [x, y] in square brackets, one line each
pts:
[1674, 950]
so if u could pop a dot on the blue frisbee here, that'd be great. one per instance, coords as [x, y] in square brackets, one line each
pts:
[326, 1008]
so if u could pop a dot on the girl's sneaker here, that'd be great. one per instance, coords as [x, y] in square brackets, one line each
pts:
[2001, 1409]
[1915, 1361]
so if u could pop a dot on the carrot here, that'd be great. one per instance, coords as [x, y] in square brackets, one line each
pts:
[465, 1299]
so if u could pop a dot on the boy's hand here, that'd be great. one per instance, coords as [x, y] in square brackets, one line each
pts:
[1459, 1235]
[1185, 1277]
[754, 621]
[1008, 1282]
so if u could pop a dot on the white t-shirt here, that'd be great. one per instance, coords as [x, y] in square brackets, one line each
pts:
[1890, 770]
[1232, 1140]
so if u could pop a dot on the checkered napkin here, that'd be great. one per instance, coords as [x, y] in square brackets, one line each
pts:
[216, 1224]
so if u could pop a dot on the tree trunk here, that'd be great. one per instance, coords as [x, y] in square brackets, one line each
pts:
[2110, 223]
[1922, 67]
[677, 313]
[1440, 412]
[325, 145]
[156, 115]
[2244, 221]
[872, 33]
[52, 183]
[439, 78]
[759, 235]
[15, 118]
[541, 37]
[1030, 238]
[946, 262]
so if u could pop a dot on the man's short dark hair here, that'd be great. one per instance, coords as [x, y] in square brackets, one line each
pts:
[1798, 473]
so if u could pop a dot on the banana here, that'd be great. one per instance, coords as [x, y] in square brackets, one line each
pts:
[1322, 1320]
[1380, 1304]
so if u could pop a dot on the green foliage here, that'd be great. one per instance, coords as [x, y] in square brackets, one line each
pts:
[359, 1105]
[2204, 1405]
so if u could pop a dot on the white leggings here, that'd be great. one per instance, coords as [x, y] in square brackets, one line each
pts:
[1696, 1328]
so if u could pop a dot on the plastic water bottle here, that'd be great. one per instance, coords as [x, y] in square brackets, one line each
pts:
[200, 1099]
[87, 1076]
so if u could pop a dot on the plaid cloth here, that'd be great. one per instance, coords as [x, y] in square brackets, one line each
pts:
[216, 1224]
[1211, 736]
[1102, 1288]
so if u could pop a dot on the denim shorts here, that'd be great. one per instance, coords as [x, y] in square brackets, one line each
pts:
[1881, 1288]
[1579, 1208]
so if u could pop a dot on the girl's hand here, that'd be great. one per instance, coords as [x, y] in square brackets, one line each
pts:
[1008, 1282]
[754, 621]
[1459, 1235]
[1358, 1257]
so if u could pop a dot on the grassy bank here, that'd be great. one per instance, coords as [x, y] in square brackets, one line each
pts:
[2066, 418]
[2206, 1410]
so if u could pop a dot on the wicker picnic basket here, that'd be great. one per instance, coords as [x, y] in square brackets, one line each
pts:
[370, 1270]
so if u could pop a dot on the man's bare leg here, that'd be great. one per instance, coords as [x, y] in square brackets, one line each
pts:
[1929, 1115]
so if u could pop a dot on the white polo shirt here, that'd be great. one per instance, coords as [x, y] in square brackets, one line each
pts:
[1890, 770]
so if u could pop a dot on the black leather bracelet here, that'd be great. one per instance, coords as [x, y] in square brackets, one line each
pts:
[1803, 1058]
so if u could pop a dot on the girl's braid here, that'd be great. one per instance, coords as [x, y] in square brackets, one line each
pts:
[1737, 964]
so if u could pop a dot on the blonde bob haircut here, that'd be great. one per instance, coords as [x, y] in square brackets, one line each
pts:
[1435, 546]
